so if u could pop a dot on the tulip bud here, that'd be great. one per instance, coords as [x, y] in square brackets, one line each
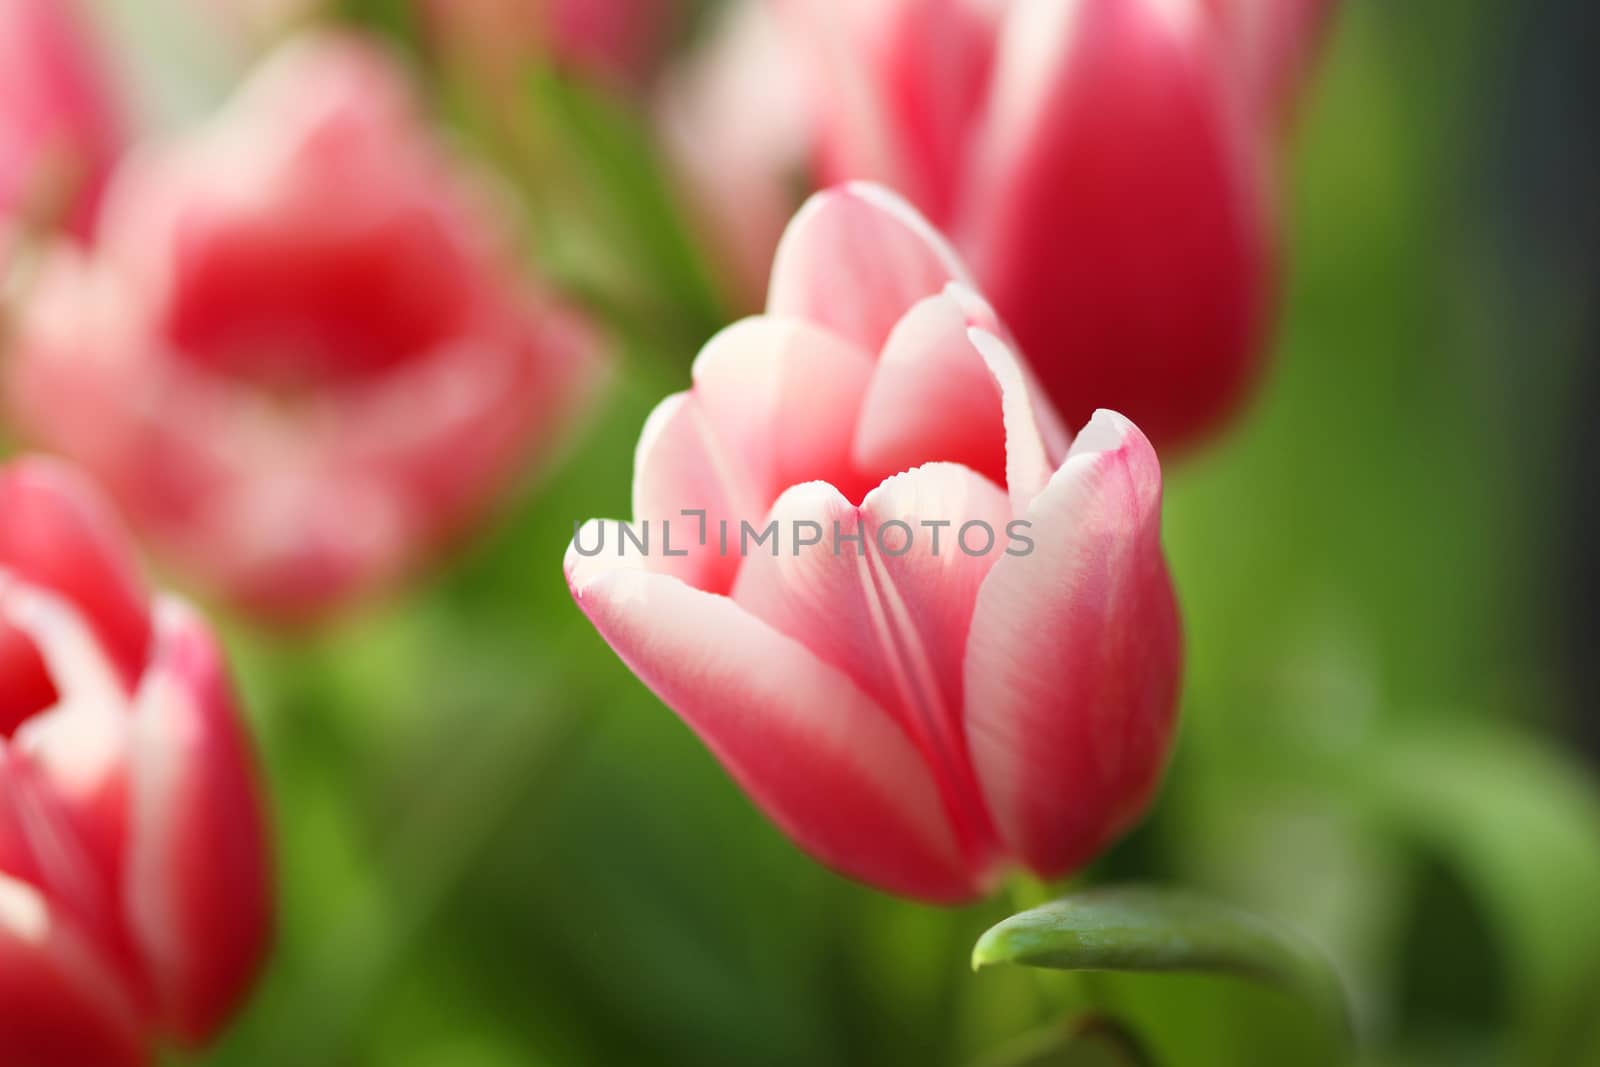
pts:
[134, 889]
[1120, 215]
[1102, 164]
[59, 131]
[929, 633]
[302, 357]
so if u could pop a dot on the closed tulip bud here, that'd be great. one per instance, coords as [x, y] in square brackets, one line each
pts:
[1120, 213]
[134, 897]
[1103, 165]
[930, 633]
[59, 130]
[302, 357]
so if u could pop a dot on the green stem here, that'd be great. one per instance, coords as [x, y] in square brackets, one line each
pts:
[1057, 992]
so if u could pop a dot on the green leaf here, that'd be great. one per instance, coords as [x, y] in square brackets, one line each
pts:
[1150, 929]
[1521, 821]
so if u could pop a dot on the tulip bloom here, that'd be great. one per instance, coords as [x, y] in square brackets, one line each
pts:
[301, 356]
[961, 651]
[59, 131]
[1103, 165]
[134, 898]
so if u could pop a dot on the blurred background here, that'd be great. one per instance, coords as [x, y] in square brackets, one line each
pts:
[497, 848]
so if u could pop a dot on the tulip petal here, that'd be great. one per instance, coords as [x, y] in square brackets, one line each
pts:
[25, 685]
[854, 259]
[66, 846]
[1073, 661]
[1119, 215]
[58, 534]
[828, 765]
[773, 403]
[17, 856]
[900, 86]
[932, 398]
[78, 745]
[1036, 441]
[678, 467]
[61, 129]
[864, 588]
[60, 1003]
[782, 396]
[197, 887]
[880, 599]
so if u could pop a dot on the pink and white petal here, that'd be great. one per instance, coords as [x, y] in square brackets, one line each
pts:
[61, 1004]
[1073, 663]
[854, 260]
[781, 398]
[63, 799]
[25, 685]
[65, 847]
[1036, 439]
[891, 611]
[932, 398]
[17, 858]
[678, 466]
[76, 749]
[1118, 217]
[825, 763]
[60, 534]
[197, 889]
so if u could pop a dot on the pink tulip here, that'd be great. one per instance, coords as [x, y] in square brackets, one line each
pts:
[1102, 164]
[301, 357]
[134, 887]
[59, 130]
[919, 714]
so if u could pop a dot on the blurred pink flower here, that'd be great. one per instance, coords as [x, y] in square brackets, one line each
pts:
[618, 40]
[59, 124]
[736, 124]
[1104, 165]
[301, 355]
[918, 713]
[134, 886]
